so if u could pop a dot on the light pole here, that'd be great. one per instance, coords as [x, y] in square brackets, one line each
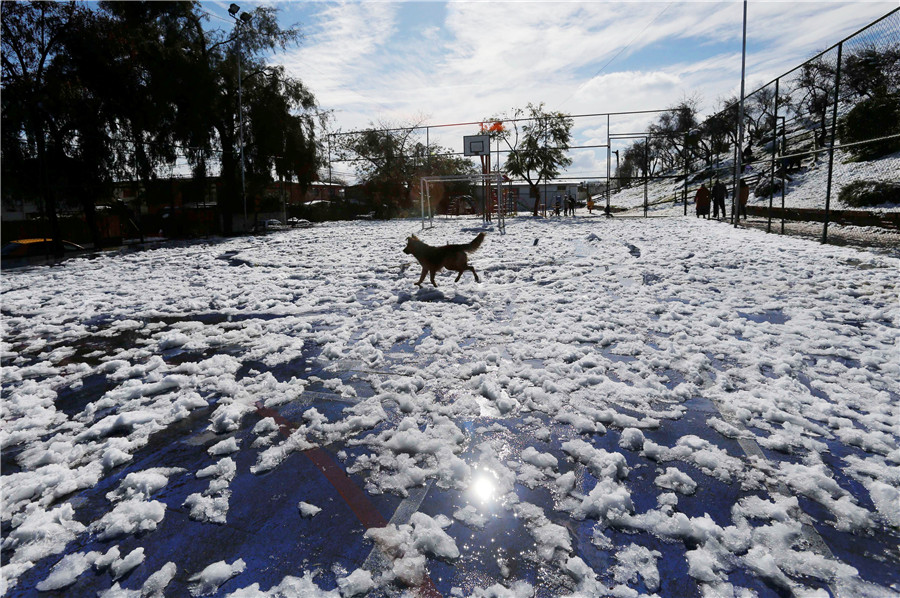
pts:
[735, 200]
[244, 18]
[689, 139]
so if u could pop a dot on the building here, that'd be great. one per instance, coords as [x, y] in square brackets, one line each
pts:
[173, 206]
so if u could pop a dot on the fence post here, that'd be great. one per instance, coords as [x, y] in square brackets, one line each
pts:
[738, 173]
[686, 167]
[774, 147]
[646, 160]
[784, 167]
[734, 189]
[608, 167]
[837, 86]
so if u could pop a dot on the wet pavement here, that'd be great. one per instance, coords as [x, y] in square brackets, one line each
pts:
[265, 530]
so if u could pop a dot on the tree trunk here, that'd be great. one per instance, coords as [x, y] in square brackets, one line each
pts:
[536, 192]
[49, 197]
[90, 218]
[226, 199]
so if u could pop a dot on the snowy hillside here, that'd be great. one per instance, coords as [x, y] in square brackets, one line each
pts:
[806, 190]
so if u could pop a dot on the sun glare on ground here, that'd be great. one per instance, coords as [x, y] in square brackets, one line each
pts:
[483, 486]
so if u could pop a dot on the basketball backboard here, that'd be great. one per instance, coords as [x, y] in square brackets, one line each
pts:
[476, 145]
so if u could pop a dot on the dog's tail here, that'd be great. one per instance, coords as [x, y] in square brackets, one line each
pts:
[475, 244]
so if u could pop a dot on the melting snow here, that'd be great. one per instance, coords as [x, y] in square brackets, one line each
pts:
[566, 374]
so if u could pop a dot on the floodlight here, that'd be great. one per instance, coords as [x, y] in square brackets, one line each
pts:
[234, 9]
[246, 17]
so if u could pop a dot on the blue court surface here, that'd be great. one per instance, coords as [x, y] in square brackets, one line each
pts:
[604, 414]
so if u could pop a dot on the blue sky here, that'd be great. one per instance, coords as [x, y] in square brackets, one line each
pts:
[405, 63]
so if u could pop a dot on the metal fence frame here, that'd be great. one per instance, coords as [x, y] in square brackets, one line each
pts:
[826, 140]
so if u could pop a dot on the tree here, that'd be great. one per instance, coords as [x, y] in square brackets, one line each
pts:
[34, 141]
[870, 71]
[670, 133]
[279, 112]
[871, 79]
[390, 159]
[816, 85]
[537, 149]
[386, 158]
[157, 82]
[721, 127]
[279, 140]
[637, 159]
[870, 119]
[99, 95]
[759, 113]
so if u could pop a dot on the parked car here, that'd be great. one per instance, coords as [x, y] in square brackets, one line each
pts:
[268, 225]
[299, 223]
[25, 252]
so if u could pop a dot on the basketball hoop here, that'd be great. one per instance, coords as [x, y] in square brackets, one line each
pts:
[494, 127]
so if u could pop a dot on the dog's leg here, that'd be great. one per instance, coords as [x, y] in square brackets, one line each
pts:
[474, 273]
[458, 276]
[421, 278]
[433, 272]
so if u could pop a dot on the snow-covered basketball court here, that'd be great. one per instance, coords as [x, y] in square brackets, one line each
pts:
[621, 407]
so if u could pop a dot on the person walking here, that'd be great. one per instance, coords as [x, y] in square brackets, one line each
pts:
[590, 205]
[701, 201]
[743, 197]
[718, 197]
[570, 205]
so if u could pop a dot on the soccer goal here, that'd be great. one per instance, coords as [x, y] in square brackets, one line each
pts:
[495, 200]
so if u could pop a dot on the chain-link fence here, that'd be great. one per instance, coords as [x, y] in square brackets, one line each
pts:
[821, 142]
[821, 147]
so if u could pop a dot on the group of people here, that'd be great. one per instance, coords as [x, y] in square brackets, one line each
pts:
[703, 197]
[567, 203]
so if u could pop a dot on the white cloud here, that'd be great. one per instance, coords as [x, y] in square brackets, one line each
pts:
[339, 58]
[364, 60]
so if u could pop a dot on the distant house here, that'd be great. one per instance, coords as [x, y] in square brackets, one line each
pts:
[174, 206]
[186, 193]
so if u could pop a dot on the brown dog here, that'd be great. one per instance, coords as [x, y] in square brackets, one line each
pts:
[452, 257]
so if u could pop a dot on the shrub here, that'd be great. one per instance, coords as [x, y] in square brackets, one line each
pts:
[767, 186]
[872, 118]
[870, 193]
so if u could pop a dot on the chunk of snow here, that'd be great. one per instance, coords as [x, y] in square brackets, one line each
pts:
[207, 582]
[67, 571]
[130, 517]
[308, 510]
[677, 480]
[225, 447]
[358, 582]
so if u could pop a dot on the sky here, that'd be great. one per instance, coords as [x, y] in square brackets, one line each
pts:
[407, 63]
